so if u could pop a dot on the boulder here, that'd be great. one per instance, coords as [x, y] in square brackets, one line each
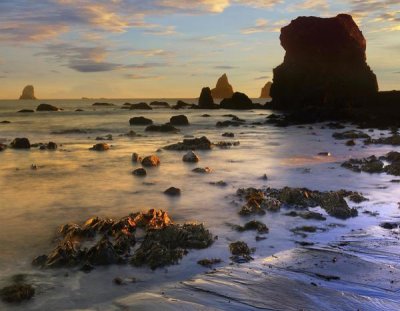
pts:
[202, 143]
[324, 72]
[140, 106]
[172, 191]
[165, 128]
[139, 172]
[140, 121]
[179, 120]
[265, 91]
[206, 100]
[150, 161]
[238, 101]
[190, 157]
[21, 143]
[222, 89]
[28, 92]
[47, 107]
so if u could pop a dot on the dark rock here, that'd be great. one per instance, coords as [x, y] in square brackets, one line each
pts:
[159, 104]
[3, 147]
[79, 110]
[206, 100]
[100, 147]
[226, 144]
[306, 215]
[49, 146]
[151, 161]
[350, 143]
[140, 121]
[206, 115]
[352, 134]
[240, 251]
[172, 191]
[47, 107]
[239, 101]
[369, 165]
[26, 110]
[265, 91]
[103, 104]
[20, 143]
[103, 253]
[202, 170]
[181, 104]
[179, 120]
[139, 172]
[190, 157]
[253, 225]
[107, 137]
[118, 281]
[202, 143]
[324, 67]
[228, 134]
[391, 140]
[5, 122]
[222, 89]
[164, 128]
[136, 158]
[219, 183]
[390, 225]
[17, 293]
[228, 123]
[140, 106]
[28, 92]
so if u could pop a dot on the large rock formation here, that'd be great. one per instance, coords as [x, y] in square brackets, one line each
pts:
[324, 66]
[265, 91]
[223, 89]
[239, 101]
[28, 92]
[205, 100]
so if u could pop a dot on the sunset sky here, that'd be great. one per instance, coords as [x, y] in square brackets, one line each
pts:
[168, 48]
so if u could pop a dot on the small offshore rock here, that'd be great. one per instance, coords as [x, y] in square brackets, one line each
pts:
[180, 120]
[140, 106]
[172, 191]
[47, 107]
[164, 128]
[139, 172]
[20, 143]
[202, 170]
[140, 121]
[100, 147]
[190, 157]
[151, 161]
[202, 143]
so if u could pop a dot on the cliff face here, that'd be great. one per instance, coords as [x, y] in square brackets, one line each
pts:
[223, 89]
[265, 91]
[28, 92]
[324, 65]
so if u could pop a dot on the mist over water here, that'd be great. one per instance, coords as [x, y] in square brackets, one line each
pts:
[73, 183]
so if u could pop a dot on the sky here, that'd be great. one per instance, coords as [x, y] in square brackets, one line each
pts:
[168, 48]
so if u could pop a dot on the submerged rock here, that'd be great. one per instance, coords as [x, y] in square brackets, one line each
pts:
[20, 143]
[151, 161]
[49, 146]
[26, 110]
[28, 92]
[202, 170]
[202, 143]
[17, 293]
[136, 158]
[100, 104]
[222, 89]
[140, 121]
[179, 120]
[253, 225]
[159, 104]
[47, 107]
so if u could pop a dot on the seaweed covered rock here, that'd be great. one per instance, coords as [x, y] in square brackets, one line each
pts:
[202, 143]
[324, 67]
[240, 251]
[393, 140]
[20, 143]
[373, 164]
[168, 245]
[253, 225]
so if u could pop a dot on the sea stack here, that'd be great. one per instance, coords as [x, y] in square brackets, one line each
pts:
[28, 92]
[206, 100]
[223, 89]
[266, 90]
[324, 66]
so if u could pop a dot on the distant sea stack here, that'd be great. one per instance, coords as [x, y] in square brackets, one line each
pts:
[324, 66]
[223, 89]
[28, 92]
[265, 91]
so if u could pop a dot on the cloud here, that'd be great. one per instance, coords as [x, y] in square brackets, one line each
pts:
[224, 67]
[143, 77]
[318, 5]
[262, 78]
[161, 31]
[153, 53]
[261, 26]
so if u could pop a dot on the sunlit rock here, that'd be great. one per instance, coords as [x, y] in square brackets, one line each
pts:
[28, 92]
[222, 89]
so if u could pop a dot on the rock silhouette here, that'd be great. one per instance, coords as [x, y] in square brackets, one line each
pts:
[206, 100]
[28, 92]
[222, 89]
[324, 66]
[265, 91]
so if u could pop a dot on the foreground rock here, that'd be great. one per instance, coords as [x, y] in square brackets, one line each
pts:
[260, 200]
[180, 120]
[202, 143]
[206, 100]
[324, 70]
[28, 92]
[265, 91]
[165, 243]
[373, 164]
[222, 89]
[238, 101]
[17, 293]
[140, 121]
[20, 143]
[190, 157]
[47, 107]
